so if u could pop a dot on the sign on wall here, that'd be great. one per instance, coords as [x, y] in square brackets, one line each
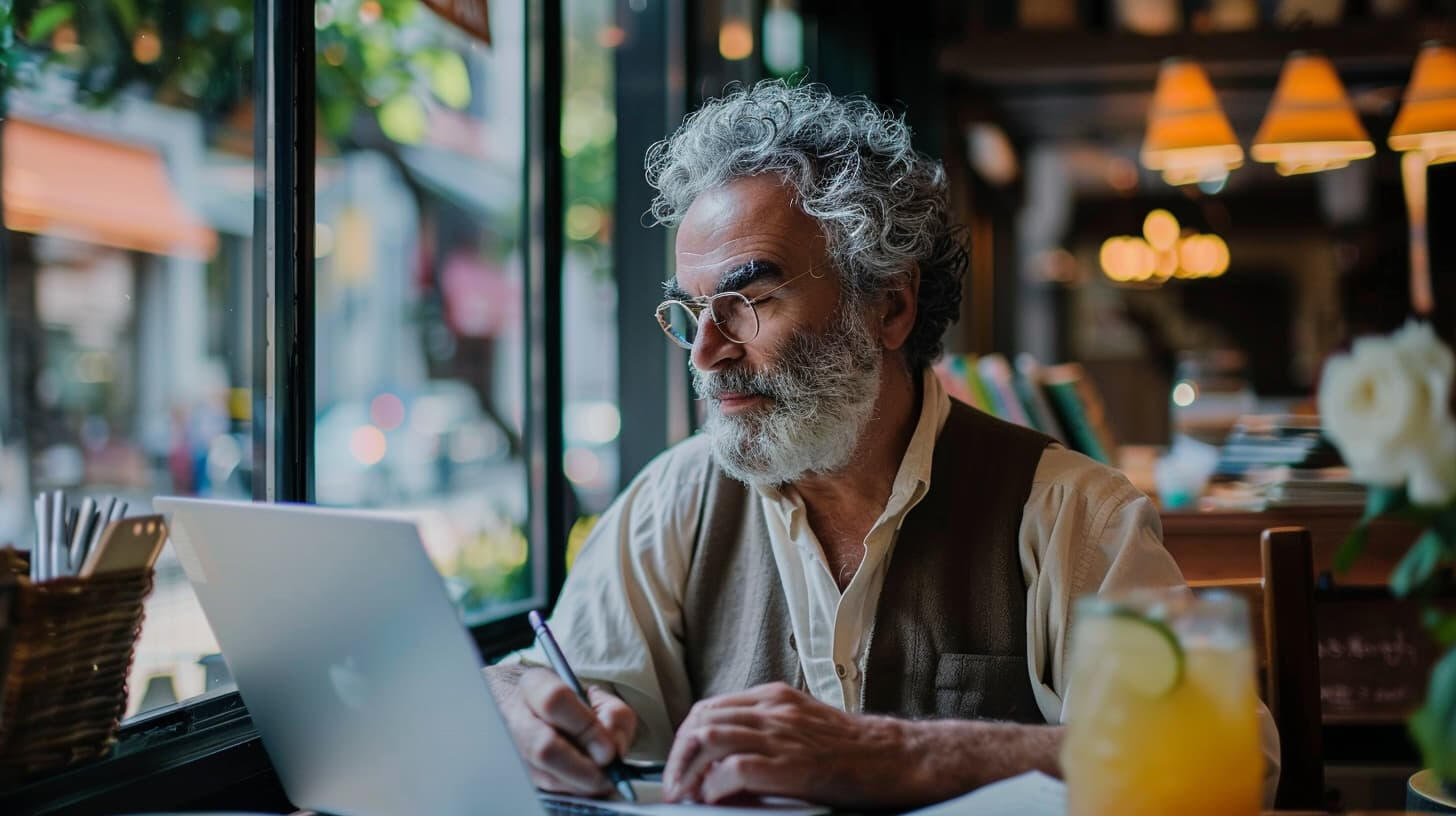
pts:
[470, 15]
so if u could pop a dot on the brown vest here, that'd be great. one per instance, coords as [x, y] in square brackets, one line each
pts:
[949, 637]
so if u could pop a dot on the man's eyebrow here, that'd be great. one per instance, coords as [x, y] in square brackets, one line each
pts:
[748, 273]
[737, 278]
[672, 291]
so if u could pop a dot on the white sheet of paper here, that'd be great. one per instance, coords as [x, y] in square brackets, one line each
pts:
[1031, 794]
[649, 803]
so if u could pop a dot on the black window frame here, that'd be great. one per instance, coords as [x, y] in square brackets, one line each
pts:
[204, 747]
[204, 751]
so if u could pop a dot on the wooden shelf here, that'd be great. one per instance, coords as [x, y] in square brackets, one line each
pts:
[1223, 547]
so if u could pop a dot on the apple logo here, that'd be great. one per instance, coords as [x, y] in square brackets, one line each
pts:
[349, 684]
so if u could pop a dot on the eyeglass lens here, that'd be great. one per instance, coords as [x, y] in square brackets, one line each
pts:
[730, 310]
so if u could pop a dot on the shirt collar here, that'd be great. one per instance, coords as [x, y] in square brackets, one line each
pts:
[913, 479]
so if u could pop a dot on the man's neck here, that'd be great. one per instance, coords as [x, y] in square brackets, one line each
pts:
[843, 506]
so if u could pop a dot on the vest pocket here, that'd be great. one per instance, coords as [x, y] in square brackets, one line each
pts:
[983, 687]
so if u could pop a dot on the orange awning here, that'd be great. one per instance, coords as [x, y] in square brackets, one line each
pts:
[61, 182]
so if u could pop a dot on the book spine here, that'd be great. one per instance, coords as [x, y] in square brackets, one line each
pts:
[996, 372]
[1068, 404]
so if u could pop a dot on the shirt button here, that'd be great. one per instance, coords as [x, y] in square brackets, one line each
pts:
[839, 670]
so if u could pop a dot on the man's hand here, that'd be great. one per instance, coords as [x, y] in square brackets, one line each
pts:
[777, 741]
[565, 742]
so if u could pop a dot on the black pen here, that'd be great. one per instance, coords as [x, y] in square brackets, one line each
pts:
[616, 771]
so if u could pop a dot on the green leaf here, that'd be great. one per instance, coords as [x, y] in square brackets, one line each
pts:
[1382, 500]
[126, 11]
[1434, 726]
[1351, 547]
[1418, 565]
[44, 22]
[1442, 626]
[403, 119]
[450, 80]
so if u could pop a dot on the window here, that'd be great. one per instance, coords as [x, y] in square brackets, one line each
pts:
[126, 285]
[420, 316]
[592, 420]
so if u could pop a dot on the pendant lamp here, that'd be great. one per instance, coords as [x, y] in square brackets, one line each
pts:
[1188, 138]
[1311, 125]
[1427, 118]
[1425, 132]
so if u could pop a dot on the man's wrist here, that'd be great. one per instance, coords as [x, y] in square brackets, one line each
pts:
[903, 769]
[916, 774]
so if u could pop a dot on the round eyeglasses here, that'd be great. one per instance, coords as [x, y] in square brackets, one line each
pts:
[732, 312]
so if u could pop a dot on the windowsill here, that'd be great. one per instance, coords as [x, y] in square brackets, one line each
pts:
[155, 742]
[169, 756]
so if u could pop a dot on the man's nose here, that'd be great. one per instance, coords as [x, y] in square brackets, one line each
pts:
[711, 348]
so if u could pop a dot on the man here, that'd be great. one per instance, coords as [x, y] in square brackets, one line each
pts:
[849, 588]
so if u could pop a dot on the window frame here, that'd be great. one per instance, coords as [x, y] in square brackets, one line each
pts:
[205, 749]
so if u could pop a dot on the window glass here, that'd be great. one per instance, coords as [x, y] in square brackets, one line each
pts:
[589, 292]
[420, 293]
[125, 285]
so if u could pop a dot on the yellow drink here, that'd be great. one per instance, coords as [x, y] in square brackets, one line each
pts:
[1185, 745]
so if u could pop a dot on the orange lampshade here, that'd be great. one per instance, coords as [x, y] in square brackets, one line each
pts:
[1310, 125]
[1188, 137]
[1427, 118]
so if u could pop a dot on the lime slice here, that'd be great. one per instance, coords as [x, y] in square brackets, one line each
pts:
[1142, 653]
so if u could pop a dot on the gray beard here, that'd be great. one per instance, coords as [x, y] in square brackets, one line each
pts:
[822, 390]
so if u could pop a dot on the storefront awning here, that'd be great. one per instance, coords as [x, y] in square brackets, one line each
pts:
[60, 182]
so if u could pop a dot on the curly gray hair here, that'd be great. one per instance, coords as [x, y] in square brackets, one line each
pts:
[882, 205]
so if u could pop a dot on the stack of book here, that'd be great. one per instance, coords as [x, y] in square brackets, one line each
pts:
[1288, 462]
[1060, 401]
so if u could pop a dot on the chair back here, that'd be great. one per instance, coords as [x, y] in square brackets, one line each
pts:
[1292, 658]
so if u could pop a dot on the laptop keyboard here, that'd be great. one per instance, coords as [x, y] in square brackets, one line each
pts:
[556, 807]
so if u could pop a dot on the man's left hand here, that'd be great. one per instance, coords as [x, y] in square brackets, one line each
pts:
[777, 741]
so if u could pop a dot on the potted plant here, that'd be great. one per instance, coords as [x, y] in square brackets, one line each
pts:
[1387, 406]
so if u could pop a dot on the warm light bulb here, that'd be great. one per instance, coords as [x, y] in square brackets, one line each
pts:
[1160, 228]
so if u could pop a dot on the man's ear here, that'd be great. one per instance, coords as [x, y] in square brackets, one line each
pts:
[898, 318]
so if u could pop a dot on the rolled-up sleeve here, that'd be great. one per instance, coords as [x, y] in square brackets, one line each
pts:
[619, 618]
[1087, 530]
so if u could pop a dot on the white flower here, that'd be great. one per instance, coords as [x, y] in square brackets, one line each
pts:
[1386, 406]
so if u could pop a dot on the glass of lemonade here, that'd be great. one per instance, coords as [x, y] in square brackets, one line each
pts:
[1161, 709]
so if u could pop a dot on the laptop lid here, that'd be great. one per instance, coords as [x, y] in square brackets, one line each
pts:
[355, 667]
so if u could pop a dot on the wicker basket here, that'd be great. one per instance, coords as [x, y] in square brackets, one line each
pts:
[66, 648]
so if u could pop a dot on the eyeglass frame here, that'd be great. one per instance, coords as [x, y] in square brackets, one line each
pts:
[696, 306]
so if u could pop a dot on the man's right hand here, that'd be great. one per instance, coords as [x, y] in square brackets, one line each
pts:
[564, 741]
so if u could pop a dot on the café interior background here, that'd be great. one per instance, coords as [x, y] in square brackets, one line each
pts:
[130, 327]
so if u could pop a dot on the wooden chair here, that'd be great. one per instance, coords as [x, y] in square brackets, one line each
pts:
[1292, 688]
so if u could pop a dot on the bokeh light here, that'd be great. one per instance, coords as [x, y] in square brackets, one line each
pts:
[735, 39]
[368, 445]
[1160, 229]
[1184, 394]
[386, 411]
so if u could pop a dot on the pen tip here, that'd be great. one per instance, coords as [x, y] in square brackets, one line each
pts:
[625, 788]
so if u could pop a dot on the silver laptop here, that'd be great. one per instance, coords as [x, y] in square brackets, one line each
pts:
[361, 680]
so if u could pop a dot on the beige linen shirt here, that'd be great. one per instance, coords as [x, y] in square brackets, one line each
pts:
[1085, 529]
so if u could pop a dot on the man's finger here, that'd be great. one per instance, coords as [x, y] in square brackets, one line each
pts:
[560, 761]
[552, 783]
[714, 743]
[744, 774]
[690, 740]
[618, 717]
[553, 702]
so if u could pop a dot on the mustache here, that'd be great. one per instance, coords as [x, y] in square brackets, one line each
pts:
[712, 385]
